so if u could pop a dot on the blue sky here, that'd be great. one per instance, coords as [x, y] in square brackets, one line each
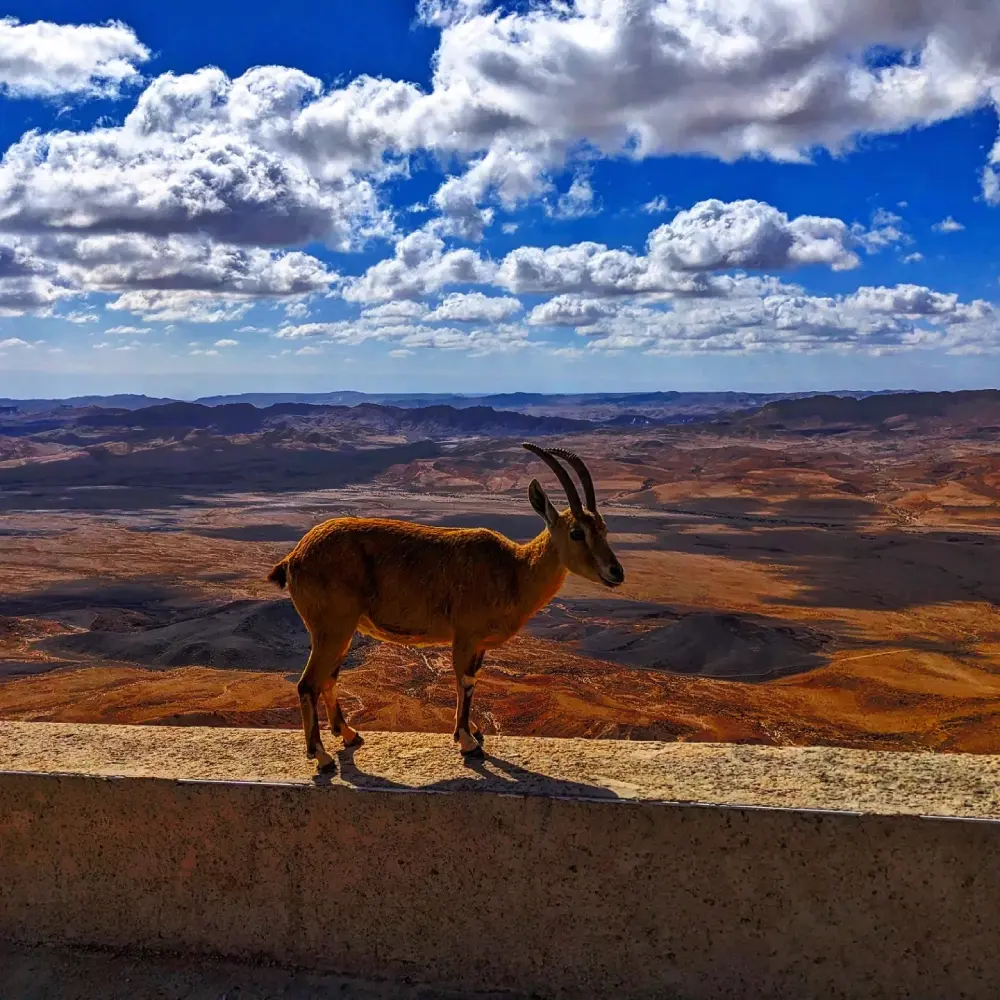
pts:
[470, 196]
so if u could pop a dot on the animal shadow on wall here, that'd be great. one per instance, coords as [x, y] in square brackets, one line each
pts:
[493, 774]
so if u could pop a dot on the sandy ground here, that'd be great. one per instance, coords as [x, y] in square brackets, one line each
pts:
[809, 592]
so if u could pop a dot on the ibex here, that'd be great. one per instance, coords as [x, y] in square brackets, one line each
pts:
[472, 588]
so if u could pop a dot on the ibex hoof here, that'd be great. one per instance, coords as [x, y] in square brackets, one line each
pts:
[324, 762]
[354, 740]
[476, 753]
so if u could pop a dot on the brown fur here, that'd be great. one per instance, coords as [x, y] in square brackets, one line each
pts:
[470, 588]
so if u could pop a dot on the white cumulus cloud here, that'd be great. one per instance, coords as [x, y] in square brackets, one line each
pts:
[45, 60]
[420, 266]
[724, 78]
[474, 307]
[200, 154]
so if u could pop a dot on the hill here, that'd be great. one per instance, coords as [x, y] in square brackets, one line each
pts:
[123, 401]
[244, 418]
[978, 409]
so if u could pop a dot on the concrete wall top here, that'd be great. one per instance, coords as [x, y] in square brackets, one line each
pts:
[811, 778]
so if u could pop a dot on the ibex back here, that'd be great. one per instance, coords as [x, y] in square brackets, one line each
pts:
[470, 588]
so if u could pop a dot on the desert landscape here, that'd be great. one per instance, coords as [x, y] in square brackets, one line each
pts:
[800, 570]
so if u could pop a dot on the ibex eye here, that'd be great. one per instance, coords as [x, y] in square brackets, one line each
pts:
[576, 534]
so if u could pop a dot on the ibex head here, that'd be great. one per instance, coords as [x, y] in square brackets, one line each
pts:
[580, 534]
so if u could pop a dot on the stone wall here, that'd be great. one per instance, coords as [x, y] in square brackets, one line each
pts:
[560, 867]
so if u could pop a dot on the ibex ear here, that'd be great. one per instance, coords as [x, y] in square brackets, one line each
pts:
[540, 503]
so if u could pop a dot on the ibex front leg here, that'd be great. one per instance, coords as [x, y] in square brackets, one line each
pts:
[467, 661]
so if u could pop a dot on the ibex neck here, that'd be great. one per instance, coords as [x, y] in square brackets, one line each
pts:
[544, 573]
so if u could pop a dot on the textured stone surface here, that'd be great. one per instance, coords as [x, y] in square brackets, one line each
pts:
[585, 879]
[785, 777]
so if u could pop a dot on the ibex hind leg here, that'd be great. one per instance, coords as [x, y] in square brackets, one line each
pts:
[328, 650]
[339, 725]
[308, 705]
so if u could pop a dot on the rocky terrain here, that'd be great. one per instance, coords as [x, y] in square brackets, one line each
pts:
[819, 570]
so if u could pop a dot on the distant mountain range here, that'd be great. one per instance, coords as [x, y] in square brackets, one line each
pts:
[82, 422]
[664, 403]
[522, 401]
[243, 418]
[124, 401]
[193, 446]
[176, 447]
